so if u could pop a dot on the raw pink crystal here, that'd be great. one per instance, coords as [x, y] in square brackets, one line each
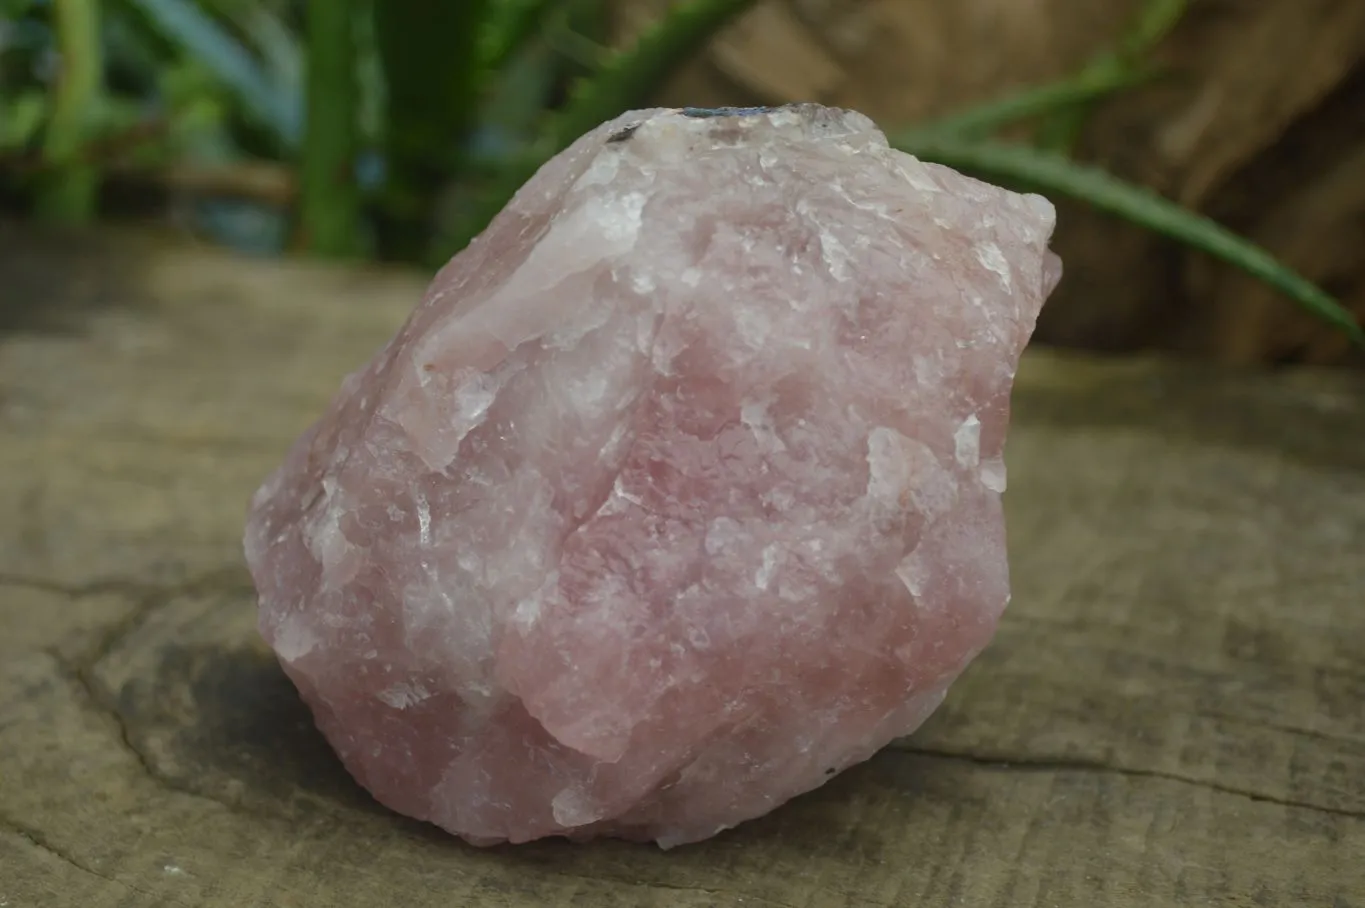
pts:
[679, 492]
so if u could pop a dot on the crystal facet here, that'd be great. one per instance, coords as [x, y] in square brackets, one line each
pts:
[679, 492]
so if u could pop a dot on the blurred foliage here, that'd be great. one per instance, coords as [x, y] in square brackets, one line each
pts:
[398, 128]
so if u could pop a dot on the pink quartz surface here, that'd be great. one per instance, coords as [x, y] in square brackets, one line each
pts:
[678, 493]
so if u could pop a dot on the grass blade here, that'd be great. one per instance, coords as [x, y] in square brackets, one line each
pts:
[281, 53]
[330, 200]
[509, 25]
[1154, 21]
[429, 52]
[70, 184]
[632, 76]
[1053, 173]
[201, 37]
[985, 119]
[625, 81]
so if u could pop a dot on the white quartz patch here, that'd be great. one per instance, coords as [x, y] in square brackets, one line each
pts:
[993, 259]
[967, 442]
[402, 696]
[294, 639]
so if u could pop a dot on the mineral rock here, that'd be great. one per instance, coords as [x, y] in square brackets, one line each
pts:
[678, 493]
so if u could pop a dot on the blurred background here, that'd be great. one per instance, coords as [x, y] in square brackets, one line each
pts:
[1208, 156]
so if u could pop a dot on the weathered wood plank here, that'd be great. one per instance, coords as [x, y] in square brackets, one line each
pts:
[1173, 712]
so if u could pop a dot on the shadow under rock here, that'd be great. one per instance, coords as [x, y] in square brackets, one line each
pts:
[228, 723]
[829, 821]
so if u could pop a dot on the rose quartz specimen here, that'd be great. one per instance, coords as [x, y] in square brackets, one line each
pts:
[677, 494]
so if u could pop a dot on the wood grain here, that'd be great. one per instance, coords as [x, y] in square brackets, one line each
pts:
[1171, 714]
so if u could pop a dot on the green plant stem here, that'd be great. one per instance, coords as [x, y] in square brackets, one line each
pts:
[629, 78]
[1154, 22]
[985, 119]
[1049, 172]
[625, 81]
[193, 30]
[432, 61]
[71, 184]
[330, 202]
[509, 25]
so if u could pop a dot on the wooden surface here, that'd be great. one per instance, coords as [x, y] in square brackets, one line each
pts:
[1173, 712]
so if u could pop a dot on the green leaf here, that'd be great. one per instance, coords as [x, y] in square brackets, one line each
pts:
[507, 27]
[627, 80]
[429, 51]
[632, 76]
[329, 200]
[984, 119]
[1048, 172]
[280, 50]
[203, 39]
[11, 10]
[1153, 22]
[70, 183]
[21, 118]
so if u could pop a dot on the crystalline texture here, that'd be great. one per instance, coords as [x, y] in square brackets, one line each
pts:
[679, 492]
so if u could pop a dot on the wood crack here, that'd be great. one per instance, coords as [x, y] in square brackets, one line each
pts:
[1285, 728]
[224, 579]
[1028, 763]
[150, 599]
[146, 598]
[728, 895]
[110, 586]
[42, 843]
[99, 701]
[722, 896]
